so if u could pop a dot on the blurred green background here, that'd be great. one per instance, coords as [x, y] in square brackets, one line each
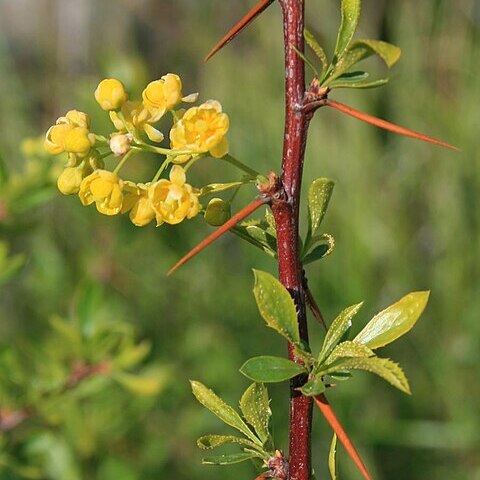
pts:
[404, 215]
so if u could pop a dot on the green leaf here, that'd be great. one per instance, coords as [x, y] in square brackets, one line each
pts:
[332, 463]
[319, 196]
[373, 84]
[320, 251]
[276, 306]
[350, 17]
[305, 60]
[313, 387]
[219, 408]
[336, 331]
[228, 459]
[133, 355]
[219, 187]
[360, 50]
[210, 442]
[268, 369]
[353, 77]
[383, 367]
[349, 349]
[258, 233]
[255, 406]
[394, 321]
[318, 50]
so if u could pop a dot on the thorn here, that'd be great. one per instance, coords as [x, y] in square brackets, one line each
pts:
[329, 414]
[312, 304]
[238, 217]
[378, 122]
[244, 22]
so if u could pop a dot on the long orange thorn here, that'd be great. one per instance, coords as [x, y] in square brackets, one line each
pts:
[244, 22]
[378, 122]
[329, 414]
[238, 217]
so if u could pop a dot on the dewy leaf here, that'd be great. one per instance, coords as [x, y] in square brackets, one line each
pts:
[313, 387]
[319, 196]
[332, 463]
[336, 331]
[349, 350]
[360, 50]
[210, 442]
[276, 306]
[350, 17]
[219, 408]
[269, 369]
[255, 406]
[394, 321]
[318, 50]
[383, 367]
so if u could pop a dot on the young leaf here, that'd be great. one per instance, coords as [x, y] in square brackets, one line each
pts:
[360, 50]
[332, 463]
[349, 350]
[255, 406]
[383, 367]
[229, 459]
[319, 196]
[219, 408]
[219, 187]
[318, 50]
[373, 84]
[336, 331]
[313, 387]
[143, 385]
[394, 321]
[320, 251]
[210, 442]
[276, 306]
[350, 17]
[269, 369]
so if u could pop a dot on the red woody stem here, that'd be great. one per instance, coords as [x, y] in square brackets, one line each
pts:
[285, 211]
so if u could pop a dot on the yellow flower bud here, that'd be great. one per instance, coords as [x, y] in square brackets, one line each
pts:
[201, 130]
[69, 180]
[137, 201]
[162, 95]
[105, 189]
[77, 140]
[120, 144]
[111, 94]
[217, 212]
[173, 200]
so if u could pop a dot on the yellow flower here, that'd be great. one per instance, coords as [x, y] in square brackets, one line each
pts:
[201, 129]
[162, 95]
[75, 118]
[110, 94]
[173, 200]
[105, 189]
[70, 134]
[137, 201]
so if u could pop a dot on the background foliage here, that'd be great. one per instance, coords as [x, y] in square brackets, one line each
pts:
[403, 213]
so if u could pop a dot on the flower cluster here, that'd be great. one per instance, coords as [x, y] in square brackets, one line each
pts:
[195, 133]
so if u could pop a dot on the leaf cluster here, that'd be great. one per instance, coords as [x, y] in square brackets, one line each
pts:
[339, 72]
[339, 356]
[256, 441]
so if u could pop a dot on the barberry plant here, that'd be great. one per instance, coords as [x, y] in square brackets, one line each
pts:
[92, 171]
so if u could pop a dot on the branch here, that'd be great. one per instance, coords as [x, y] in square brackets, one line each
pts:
[243, 23]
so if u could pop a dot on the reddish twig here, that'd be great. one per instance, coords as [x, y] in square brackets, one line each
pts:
[243, 23]
[238, 217]
[310, 107]
[323, 405]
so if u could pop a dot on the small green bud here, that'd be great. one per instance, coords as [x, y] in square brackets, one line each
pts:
[218, 212]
